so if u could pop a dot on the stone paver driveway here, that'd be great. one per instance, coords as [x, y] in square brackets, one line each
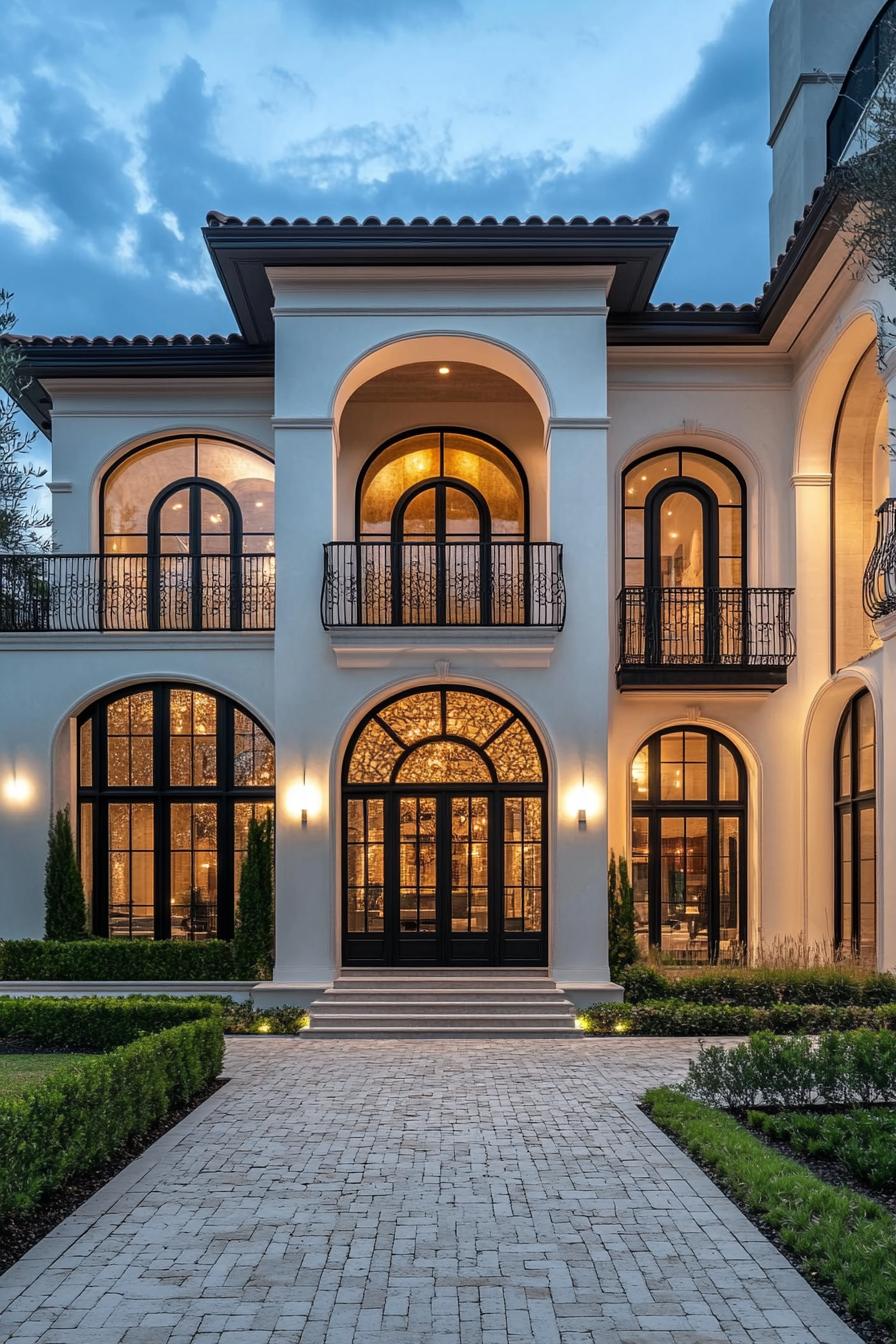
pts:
[441, 1192]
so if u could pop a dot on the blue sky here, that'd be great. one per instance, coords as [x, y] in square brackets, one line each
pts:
[124, 121]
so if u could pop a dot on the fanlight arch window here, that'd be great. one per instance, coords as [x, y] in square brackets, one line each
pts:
[445, 845]
[169, 776]
[190, 521]
[688, 853]
[855, 830]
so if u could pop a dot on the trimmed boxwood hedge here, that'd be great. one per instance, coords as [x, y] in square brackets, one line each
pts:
[839, 1237]
[116, 959]
[96, 1023]
[836, 986]
[671, 1017]
[82, 1114]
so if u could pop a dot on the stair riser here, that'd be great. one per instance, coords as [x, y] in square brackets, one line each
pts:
[428, 1010]
[437, 1033]
[373, 997]
[448, 1020]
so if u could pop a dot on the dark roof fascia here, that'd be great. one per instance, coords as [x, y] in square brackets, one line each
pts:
[45, 359]
[242, 252]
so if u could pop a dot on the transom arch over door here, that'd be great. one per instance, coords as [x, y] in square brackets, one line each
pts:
[689, 845]
[444, 833]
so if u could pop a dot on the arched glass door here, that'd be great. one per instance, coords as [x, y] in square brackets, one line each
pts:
[442, 559]
[444, 834]
[195, 554]
[855, 831]
[688, 858]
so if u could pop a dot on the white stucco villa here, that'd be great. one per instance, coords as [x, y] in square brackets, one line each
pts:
[554, 571]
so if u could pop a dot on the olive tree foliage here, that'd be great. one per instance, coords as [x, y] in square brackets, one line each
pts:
[23, 526]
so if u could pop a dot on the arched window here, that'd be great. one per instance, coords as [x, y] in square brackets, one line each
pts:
[855, 831]
[866, 70]
[169, 777]
[442, 514]
[860, 483]
[684, 559]
[188, 532]
[688, 855]
[444, 833]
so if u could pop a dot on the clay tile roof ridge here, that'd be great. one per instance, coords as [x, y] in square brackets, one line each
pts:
[217, 219]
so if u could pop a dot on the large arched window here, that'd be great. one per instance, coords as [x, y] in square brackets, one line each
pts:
[169, 777]
[684, 557]
[442, 515]
[188, 535]
[688, 856]
[855, 831]
[444, 833]
[860, 483]
[867, 68]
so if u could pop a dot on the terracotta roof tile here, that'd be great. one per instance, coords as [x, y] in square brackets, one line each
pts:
[96, 342]
[216, 219]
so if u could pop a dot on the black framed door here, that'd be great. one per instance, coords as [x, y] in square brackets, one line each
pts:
[441, 556]
[682, 572]
[195, 548]
[445, 876]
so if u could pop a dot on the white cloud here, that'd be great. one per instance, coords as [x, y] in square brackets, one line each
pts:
[32, 221]
[193, 284]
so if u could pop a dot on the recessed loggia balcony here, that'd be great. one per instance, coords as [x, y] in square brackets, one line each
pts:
[732, 638]
[879, 593]
[58, 593]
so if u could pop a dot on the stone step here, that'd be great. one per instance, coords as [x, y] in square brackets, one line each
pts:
[471, 995]
[431, 1032]
[451, 986]
[494, 973]
[444, 1019]
[503, 1007]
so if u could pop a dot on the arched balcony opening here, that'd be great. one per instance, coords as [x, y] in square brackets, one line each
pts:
[686, 613]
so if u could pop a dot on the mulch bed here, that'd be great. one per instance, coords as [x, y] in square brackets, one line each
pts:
[22, 1231]
[867, 1330]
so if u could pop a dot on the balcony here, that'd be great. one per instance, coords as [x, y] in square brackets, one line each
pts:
[879, 588]
[696, 638]
[57, 593]
[438, 584]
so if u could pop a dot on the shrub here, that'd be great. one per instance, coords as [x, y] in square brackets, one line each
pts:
[82, 1114]
[116, 959]
[847, 1241]
[671, 1017]
[622, 946]
[861, 1142]
[65, 910]
[835, 986]
[244, 1019]
[253, 942]
[848, 1067]
[96, 1023]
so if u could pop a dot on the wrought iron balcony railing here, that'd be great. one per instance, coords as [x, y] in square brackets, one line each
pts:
[739, 637]
[879, 588]
[498, 583]
[136, 592]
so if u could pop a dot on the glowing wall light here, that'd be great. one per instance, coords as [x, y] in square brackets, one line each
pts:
[17, 790]
[302, 800]
[582, 803]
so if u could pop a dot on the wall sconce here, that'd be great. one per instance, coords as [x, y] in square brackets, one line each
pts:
[301, 798]
[582, 802]
[16, 790]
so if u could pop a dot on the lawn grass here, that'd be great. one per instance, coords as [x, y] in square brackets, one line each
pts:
[18, 1072]
[839, 1238]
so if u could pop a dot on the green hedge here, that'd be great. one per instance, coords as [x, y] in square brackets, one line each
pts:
[861, 1141]
[115, 959]
[672, 1017]
[96, 1023]
[82, 1114]
[842, 1239]
[836, 986]
[840, 1069]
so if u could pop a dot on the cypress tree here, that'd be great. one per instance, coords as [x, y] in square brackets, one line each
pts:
[65, 909]
[253, 940]
[622, 945]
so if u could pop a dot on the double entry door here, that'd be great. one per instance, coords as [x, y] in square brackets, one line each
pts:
[445, 877]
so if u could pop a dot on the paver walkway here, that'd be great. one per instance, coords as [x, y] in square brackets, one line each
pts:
[441, 1192]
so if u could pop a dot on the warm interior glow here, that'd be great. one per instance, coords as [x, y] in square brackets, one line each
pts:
[443, 369]
[17, 790]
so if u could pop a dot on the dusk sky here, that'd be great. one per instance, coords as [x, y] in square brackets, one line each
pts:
[124, 121]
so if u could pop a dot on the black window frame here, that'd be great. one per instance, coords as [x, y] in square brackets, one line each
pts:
[852, 804]
[225, 793]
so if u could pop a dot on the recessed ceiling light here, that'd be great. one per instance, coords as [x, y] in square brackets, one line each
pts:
[443, 369]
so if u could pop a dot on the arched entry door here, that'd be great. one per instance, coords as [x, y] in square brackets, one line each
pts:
[444, 834]
[195, 555]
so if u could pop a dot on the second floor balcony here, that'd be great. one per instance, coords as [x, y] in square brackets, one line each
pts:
[879, 592]
[464, 583]
[730, 638]
[136, 592]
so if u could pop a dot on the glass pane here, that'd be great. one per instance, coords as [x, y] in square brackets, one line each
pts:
[844, 773]
[443, 762]
[469, 865]
[634, 533]
[253, 754]
[846, 895]
[414, 717]
[374, 755]
[132, 486]
[641, 774]
[640, 879]
[493, 475]
[681, 542]
[129, 726]
[867, 885]
[85, 753]
[130, 870]
[394, 471]
[643, 476]
[729, 885]
[720, 478]
[684, 887]
[865, 742]
[461, 514]
[85, 850]
[475, 717]
[730, 540]
[174, 515]
[242, 814]
[194, 870]
[417, 865]
[515, 755]
[523, 865]
[193, 739]
[729, 780]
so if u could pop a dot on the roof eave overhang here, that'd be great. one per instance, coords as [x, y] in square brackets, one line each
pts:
[241, 255]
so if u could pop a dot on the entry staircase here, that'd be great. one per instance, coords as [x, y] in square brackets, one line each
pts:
[432, 1002]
